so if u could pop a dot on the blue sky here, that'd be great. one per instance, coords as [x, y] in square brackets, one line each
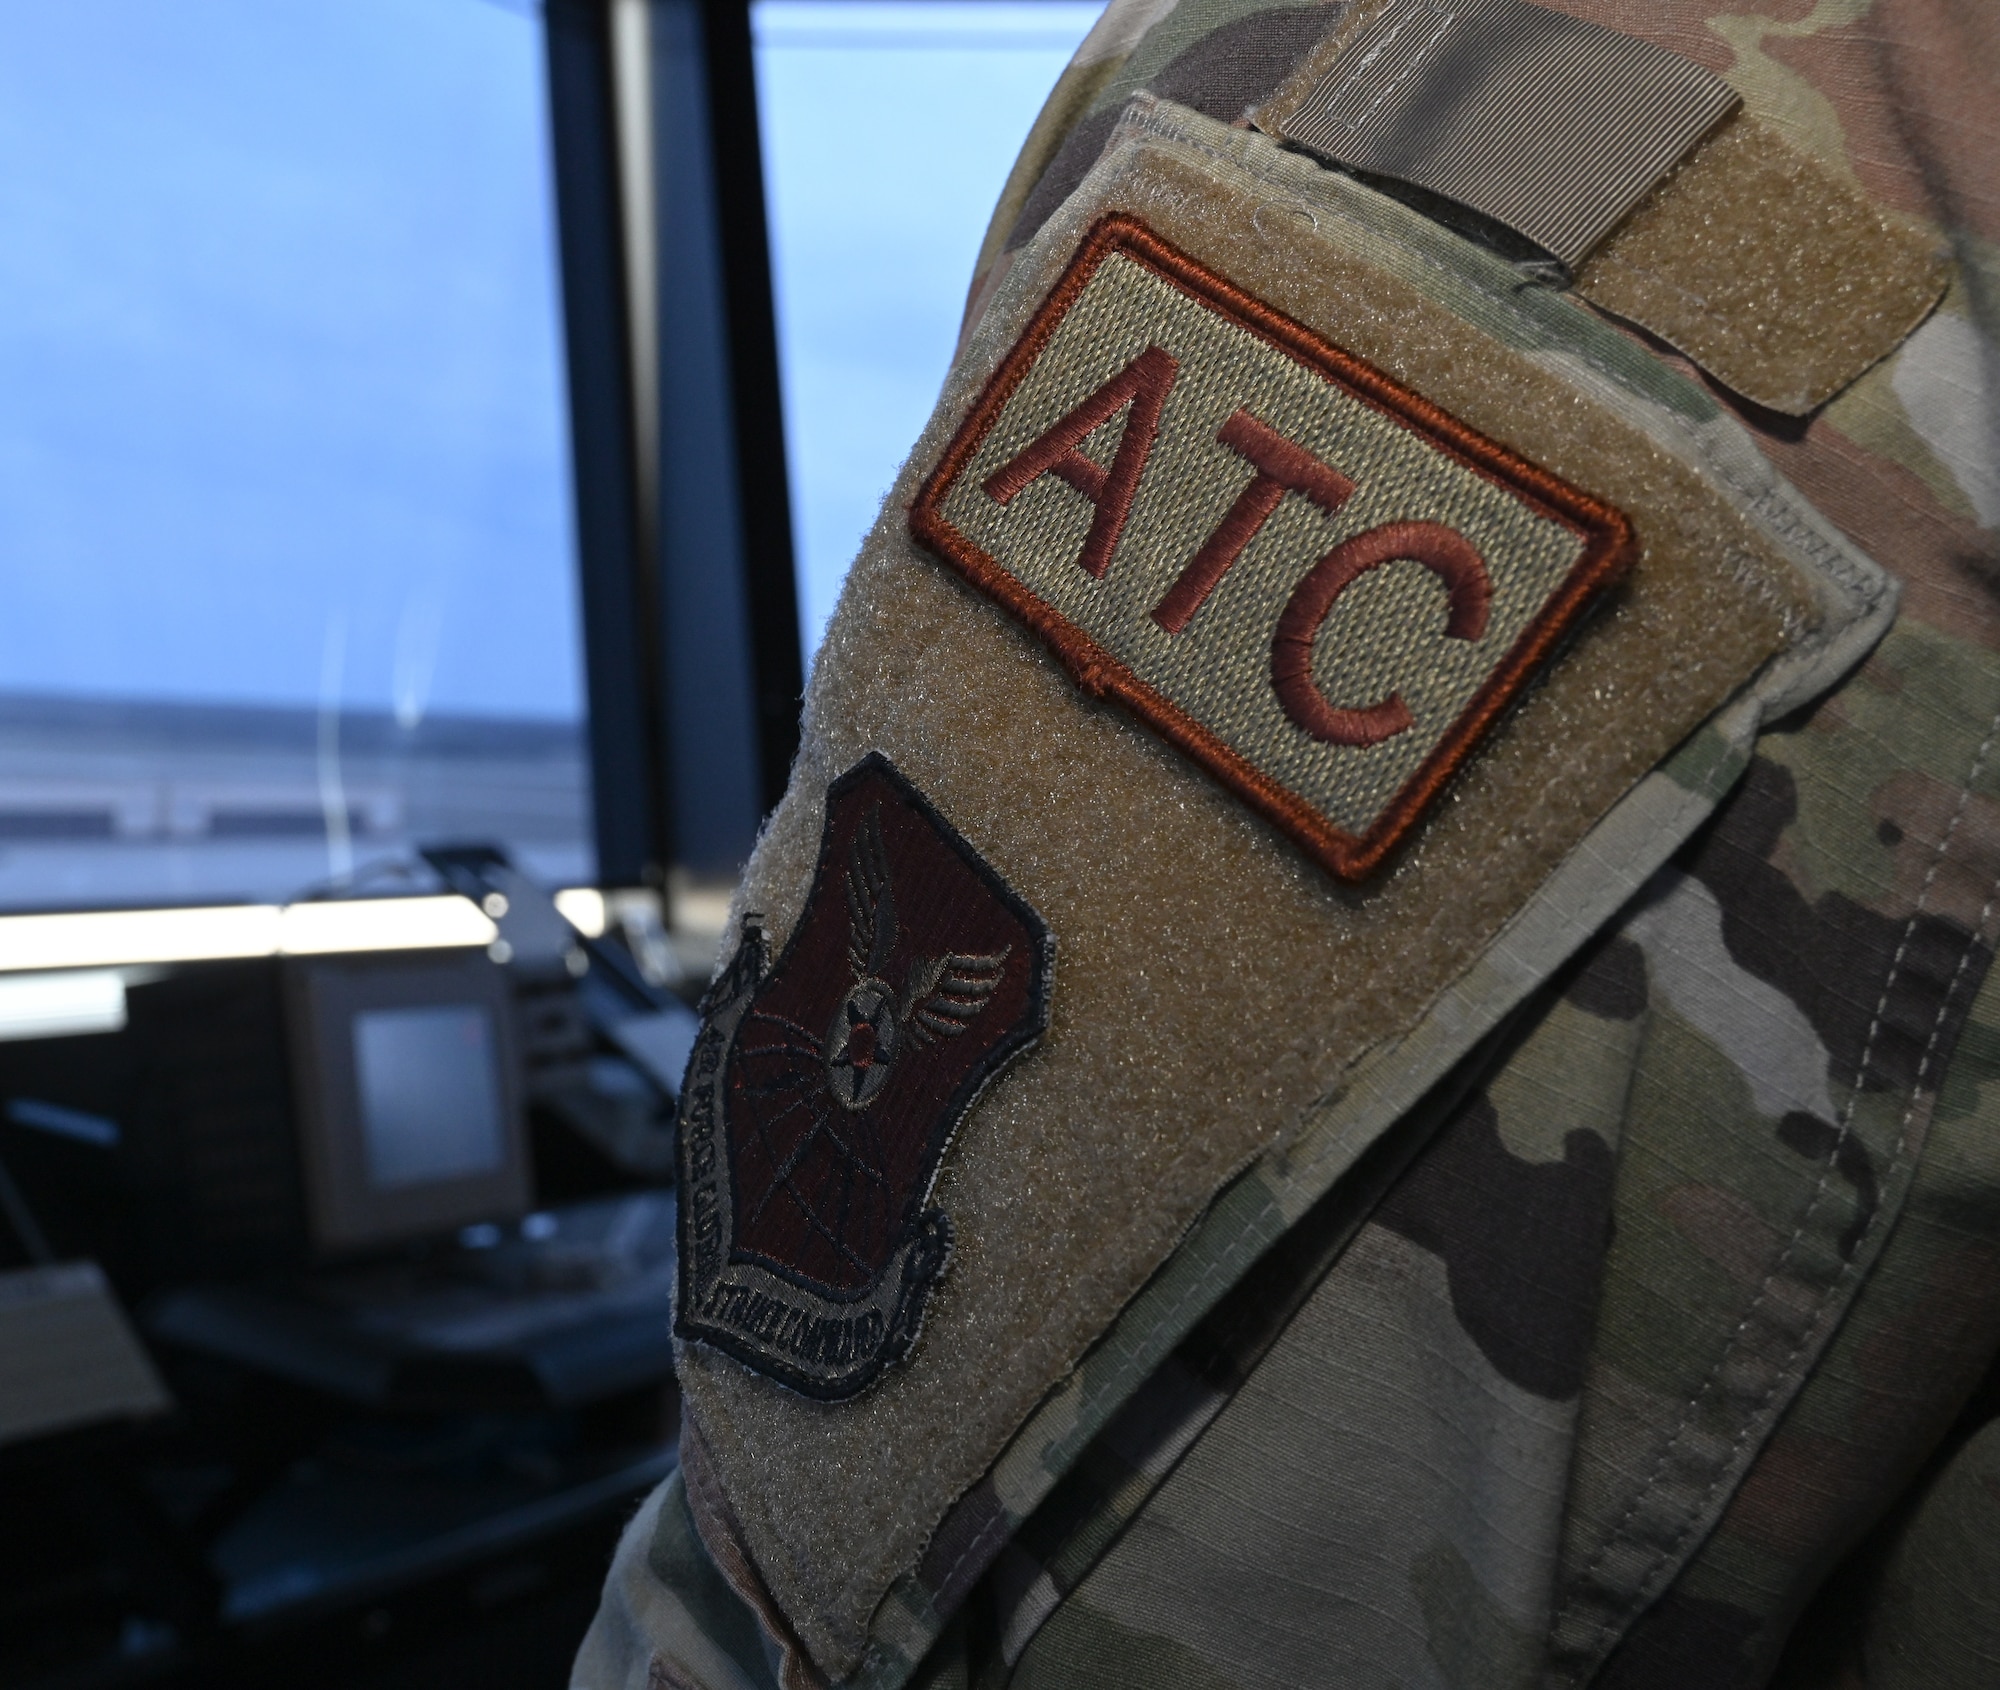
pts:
[280, 381]
[281, 393]
[888, 131]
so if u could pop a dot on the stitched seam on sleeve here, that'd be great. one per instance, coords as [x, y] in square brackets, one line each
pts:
[1603, 1630]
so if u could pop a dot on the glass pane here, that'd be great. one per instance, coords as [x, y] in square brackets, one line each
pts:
[284, 496]
[888, 127]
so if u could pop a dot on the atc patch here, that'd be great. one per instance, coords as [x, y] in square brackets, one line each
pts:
[822, 1092]
[1318, 585]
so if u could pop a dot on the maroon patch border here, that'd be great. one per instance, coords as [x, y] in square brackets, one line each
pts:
[1606, 532]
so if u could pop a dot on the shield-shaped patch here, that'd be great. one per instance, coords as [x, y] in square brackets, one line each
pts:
[822, 1092]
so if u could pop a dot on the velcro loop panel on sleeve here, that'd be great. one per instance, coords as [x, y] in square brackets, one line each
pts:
[1781, 281]
[1231, 1024]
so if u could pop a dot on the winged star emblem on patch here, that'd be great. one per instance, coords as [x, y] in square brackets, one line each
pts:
[823, 1091]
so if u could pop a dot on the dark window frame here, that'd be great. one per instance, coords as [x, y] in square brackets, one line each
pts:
[683, 520]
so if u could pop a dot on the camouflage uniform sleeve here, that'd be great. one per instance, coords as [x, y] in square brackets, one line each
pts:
[668, 1619]
[1577, 1405]
[1920, 1609]
[1638, 1355]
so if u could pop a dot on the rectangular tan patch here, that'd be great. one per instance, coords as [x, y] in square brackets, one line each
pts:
[1317, 584]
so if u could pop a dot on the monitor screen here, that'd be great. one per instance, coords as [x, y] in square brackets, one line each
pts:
[409, 1099]
[429, 1092]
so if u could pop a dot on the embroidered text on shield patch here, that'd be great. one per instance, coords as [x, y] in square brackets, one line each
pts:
[822, 1092]
[1317, 584]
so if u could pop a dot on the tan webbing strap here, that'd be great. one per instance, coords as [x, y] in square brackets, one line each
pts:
[1550, 126]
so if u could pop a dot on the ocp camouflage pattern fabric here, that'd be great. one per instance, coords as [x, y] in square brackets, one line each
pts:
[1656, 1349]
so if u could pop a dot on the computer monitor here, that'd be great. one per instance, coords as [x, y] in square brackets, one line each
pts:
[408, 1096]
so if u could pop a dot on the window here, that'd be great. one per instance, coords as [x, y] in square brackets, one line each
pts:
[888, 129]
[284, 499]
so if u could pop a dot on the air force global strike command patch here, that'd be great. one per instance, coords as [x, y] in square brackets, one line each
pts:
[1317, 584]
[822, 1092]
